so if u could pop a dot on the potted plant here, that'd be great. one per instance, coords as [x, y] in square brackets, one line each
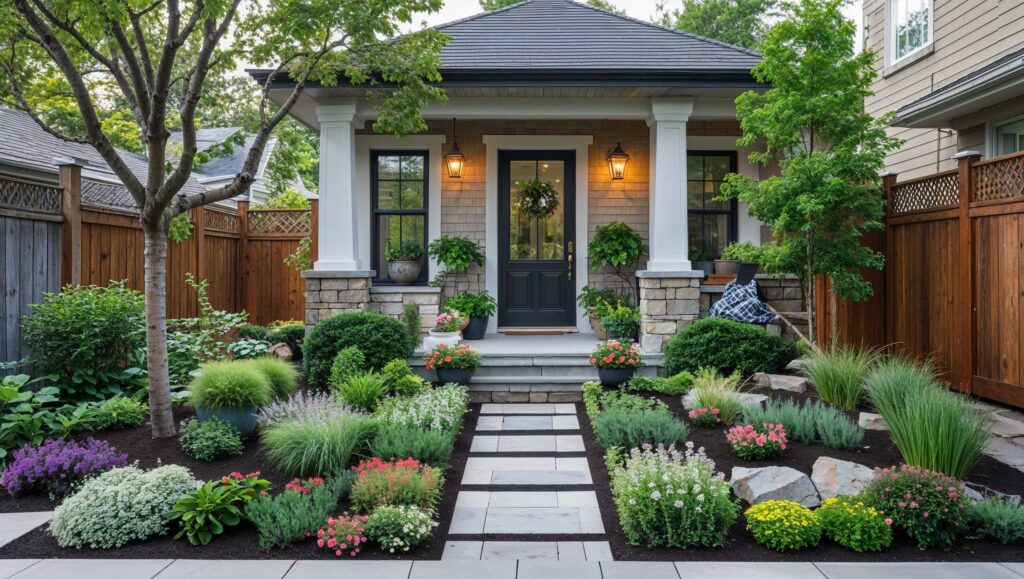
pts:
[454, 254]
[477, 308]
[703, 259]
[232, 391]
[597, 303]
[454, 364]
[447, 330]
[617, 247]
[735, 254]
[615, 362]
[621, 322]
[405, 261]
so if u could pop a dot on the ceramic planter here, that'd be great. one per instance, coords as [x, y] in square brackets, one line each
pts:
[615, 377]
[404, 272]
[454, 376]
[727, 267]
[476, 328]
[599, 331]
[708, 267]
[243, 419]
[435, 339]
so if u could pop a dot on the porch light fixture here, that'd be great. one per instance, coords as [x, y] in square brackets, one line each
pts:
[454, 160]
[617, 161]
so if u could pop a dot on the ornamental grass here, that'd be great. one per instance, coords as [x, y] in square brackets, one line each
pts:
[316, 444]
[838, 374]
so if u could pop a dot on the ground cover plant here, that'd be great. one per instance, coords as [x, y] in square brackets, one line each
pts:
[997, 519]
[394, 441]
[783, 525]
[933, 428]
[675, 385]
[624, 428]
[854, 524]
[297, 512]
[343, 535]
[928, 506]
[381, 339]
[441, 409]
[399, 528]
[209, 439]
[116, 413]
[381, 483]
[58, 467]
[726, 346]
[838, 374]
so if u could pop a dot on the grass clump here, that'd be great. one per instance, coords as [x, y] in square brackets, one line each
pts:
[814, 422]
[619, 427]
[397, 441]
[283, 376]
[316, 443]
[838, 374]
[714, 390]
[932, 427]
[363, 390]
[230, 385]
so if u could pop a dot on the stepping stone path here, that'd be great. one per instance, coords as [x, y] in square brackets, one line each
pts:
[527, 445]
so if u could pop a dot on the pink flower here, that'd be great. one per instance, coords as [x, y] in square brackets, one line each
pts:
[926, 514]
[888, 521]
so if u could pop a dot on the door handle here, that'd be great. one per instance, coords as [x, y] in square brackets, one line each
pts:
[571, 257]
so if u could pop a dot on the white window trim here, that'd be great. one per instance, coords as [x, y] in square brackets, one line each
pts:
[990, 133]
[890, 33]
[367, 143]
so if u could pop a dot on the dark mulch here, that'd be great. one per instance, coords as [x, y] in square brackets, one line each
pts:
[236, 543]
[877, 450]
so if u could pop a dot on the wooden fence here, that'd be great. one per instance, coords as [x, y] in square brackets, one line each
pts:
[49, 239]
[953, 285]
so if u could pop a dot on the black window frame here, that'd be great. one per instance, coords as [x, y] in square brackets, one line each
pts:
[376, 211]
[732, 235]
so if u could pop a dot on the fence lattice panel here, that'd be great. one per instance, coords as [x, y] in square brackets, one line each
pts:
[29, 196]
[220, 221]
[942, 190]
[277, 221]
[1001, 179]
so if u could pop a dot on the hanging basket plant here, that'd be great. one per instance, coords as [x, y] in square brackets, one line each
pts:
[536, 198]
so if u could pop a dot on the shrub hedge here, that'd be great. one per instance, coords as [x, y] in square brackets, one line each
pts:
[381, 339]
[728, 347]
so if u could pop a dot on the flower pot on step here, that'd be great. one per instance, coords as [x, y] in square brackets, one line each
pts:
[614, 377]
[435, 339]
[454, 376]
[476, 328]
[404, 272]
[727, 267]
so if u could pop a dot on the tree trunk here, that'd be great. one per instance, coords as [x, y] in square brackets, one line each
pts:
[156, 332]
[810, 293]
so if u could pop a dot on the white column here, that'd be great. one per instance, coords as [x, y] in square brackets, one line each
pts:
[669, 239]
[339, 217]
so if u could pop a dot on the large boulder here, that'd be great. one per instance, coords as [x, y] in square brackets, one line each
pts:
[796, 384]
[839, 478]
[773, 483]
[869, 421]
[281, 350]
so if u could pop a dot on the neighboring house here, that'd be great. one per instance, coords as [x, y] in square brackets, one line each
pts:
[954, 72]
[545, 89]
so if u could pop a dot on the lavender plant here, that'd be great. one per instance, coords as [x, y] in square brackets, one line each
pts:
[301, 404]
[58, 467]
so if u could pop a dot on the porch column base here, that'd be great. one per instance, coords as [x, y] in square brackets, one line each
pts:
[336, 292]
[669, 301]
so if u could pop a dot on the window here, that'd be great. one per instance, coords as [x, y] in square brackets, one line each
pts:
[399, 189]
[1008, 138]
[910, 29]
[712, 224]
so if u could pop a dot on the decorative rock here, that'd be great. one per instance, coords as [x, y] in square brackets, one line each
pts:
[834, 478]
[869, 421]
[281, 351]
[1004, 427]
[750, 399]
[977, 492]
[796, 366]
[796, 384]
[773, 483]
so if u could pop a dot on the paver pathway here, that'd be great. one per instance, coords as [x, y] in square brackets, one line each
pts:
[539, 445]
[14, 525]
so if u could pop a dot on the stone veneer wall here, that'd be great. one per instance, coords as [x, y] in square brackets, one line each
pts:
[391, 300]
[668, 303]
[329, 293]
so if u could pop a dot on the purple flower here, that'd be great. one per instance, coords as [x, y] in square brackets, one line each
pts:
[56, 466]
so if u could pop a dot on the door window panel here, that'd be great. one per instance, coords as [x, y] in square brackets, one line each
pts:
[533, 238]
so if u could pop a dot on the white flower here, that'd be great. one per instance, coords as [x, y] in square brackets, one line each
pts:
[655, 495]
[700, 498]
[632, 501]
[678, 504]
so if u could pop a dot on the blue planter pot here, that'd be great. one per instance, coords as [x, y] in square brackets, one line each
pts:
[454, 376]
[615, 377]
[244, 420]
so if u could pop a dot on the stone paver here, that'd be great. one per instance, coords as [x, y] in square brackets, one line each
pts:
[915, 571]
[462, 550]
[95, 569]
[1006, 452]
[528, 443]
[463, 570]
[527, 422]
[14, 525]
[752, 570]
[533, 569]
[519, 550]
[526, 512]
[211, 569]
[540, 408]
[1017, 568]
[637, 569]
[347, 568]
[8, 567]
[532, 520]
[527, 550]
[597, 550]
[526, 471]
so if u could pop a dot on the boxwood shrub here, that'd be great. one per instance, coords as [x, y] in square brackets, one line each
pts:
[727, 346]
[381, 338]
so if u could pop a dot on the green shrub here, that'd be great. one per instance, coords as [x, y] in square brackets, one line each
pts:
[210, 439]
[783, 525]
[381, 339]
[290, 332]
[441, 409]
[837, 430]
[394, 441]
[997, 519]
[399, 528]
[928, 506]
[838, 374]
[592, 392]
[617, 400]
[84, 331]
[932, 427]
[316, 443]
[364, 391]
[283, 376]
[405, 481]
[119, 506]
[412, 322]
[117, 413]
[632, 428]
[854, 524]
[347, 363]
[253, 332]
[287, 518]
[230, 385]
[400, 380]
[728, 347]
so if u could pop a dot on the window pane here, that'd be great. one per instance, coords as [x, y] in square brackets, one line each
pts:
[412, 195]
[695, 194]
[387, 195]
[716, 232]
[911, 22]
[718, 166]
[387, 167]
[412, 228]
[412, 167]
[694, 233]
[695, 167]
[1010, 138]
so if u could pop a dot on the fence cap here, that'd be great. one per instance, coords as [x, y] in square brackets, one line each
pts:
[62, 161]
[966, 154]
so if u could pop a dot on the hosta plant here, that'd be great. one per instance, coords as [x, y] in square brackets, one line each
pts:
[399, 528]
[854, 524]
[206, 511]
[783, 525]
[928, 506]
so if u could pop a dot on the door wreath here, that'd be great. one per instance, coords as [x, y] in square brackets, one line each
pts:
[536, 198]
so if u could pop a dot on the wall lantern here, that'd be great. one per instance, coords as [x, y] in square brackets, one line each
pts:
[454, 160]
[617, 161]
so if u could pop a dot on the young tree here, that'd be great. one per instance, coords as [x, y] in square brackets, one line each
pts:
[739, 22]
[830, 151]
[159, 54]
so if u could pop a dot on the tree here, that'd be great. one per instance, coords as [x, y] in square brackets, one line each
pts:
[489, 5]
[739, 22]
[829, 150]
[157, 56]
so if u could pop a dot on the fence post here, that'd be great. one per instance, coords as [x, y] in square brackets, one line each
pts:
[966, 309]
[888, 182]
[71, 229]
[242, 271]
[200, 218]
[314, 235]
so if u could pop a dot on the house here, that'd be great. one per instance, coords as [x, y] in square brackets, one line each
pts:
[954, 72]
[545, 90]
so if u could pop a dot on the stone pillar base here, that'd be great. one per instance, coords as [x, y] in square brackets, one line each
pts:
[392, 300]
[669, 301]
[336, 292]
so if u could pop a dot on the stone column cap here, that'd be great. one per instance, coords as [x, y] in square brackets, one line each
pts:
[670, 274]
[317, 274]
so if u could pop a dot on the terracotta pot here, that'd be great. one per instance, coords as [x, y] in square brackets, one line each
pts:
[404, 272]
[727, 267]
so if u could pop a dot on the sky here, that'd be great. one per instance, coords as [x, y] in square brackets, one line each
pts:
[642, 9]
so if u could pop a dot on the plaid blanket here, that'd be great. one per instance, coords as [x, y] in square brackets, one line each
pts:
[740, 303]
